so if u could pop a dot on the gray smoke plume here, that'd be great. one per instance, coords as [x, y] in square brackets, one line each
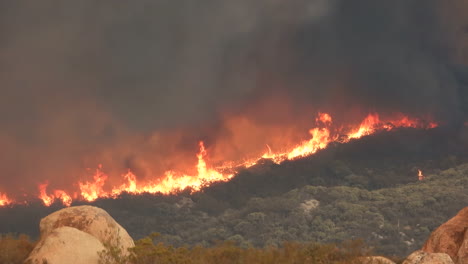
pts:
[137, 83]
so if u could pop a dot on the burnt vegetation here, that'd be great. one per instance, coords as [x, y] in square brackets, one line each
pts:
[366, 189]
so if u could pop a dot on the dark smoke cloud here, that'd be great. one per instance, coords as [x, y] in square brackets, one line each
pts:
[130, 83]
[380, 55]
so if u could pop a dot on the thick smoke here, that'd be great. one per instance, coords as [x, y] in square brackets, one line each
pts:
[137, 83]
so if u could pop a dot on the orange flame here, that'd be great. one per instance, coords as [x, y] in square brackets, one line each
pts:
[63, 196]
[130, 186]
[367, 127]
[323, 118]
[93, 190]
[171, 181]
[420, 175]
[57, 194]
[4, 200]
[321, 137]
[372, 124]
[46, 199]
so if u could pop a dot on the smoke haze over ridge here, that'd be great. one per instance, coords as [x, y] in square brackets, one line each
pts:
[137, 84]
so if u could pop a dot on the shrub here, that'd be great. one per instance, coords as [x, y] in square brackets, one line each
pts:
[146, 252]
[14, 249]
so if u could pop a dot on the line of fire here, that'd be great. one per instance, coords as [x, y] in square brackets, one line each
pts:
[322, 134]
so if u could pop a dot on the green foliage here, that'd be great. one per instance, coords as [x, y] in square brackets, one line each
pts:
[396, 220]
[112, 254]
[14, 249]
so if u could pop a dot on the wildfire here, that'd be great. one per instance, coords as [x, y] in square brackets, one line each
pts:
[367, 127]
[4, 200]
[171, 181]
[420, 175]
[321, 137]
[372, 124]
[93, 190]
[319, 140]
[130, 186]
[57, 194]
[323, 118]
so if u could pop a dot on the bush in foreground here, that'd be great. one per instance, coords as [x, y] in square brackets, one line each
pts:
[14, 249]
[146, 252]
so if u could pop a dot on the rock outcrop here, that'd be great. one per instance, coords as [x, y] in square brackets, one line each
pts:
[421, 257]
[376, 260]
[76, 235]
[451, 238]
[89, 219]
[66, 245]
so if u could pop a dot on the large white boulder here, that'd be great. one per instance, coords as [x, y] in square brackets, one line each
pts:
[66, 245]
[376, 260]
[421, 257]
[89, 219]
[451, 238]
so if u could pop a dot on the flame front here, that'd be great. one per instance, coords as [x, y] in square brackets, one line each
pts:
[174, 181]
[57, 194]
[171, 181]
[93, 190]
[4, 200]
[367, 127]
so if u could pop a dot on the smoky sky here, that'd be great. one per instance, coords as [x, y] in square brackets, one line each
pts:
[129, 82]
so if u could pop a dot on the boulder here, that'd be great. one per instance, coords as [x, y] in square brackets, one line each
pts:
[451, 238]
[66, 245]
[421, 257]
[91, 220]
[376, 260]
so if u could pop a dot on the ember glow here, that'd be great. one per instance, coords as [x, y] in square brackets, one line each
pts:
[4, 200]
[324, 133]
[420, 175]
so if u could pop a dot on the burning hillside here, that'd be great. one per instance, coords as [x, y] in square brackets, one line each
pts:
[159, 96]
[172, 181]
